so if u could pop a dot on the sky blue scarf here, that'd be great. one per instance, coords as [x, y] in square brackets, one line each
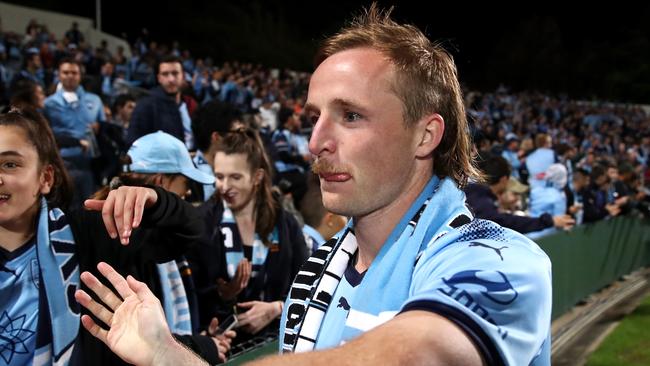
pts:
[57, 258]
[235, 249]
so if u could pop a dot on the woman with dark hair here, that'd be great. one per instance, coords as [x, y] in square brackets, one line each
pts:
[252, 248]
[43, 250]
[27, 94]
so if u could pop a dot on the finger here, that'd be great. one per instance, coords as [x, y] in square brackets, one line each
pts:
[238, 273]
[141, 290]
[116, 279]
[129, 204]
[222, 355]
[230, 335]
[94, 329]
[225, 345]
[107, 216]
[94, 307]
[214, 325]
[95, 205]
[104, 293]
[118, 213]
[138, 209]
[247, 304]
[247, 273]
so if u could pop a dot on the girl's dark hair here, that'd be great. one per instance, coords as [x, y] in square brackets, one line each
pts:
[249, 143]
[39, 134]
[24, 94]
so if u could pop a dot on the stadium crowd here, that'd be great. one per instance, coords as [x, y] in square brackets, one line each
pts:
[232, 139]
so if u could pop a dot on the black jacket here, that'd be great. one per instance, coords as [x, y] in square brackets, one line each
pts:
[484, 205]
[156, 112]
[167, 231]
[208, 263]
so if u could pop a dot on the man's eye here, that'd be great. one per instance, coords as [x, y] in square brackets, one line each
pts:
[352, 116]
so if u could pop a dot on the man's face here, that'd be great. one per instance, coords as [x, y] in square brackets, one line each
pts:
[170, 77]
[366, 155]
[36, 61]
[70, 76]
[126, 111]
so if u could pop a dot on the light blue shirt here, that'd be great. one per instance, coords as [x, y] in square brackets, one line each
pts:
[19, 281]
[73, 119]
[537, 162]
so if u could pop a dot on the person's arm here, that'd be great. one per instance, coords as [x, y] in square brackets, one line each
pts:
[484, 208]
[139, 334]
[411, 338]
[128, 212]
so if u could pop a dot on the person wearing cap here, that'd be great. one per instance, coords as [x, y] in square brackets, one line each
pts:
[511, 153]
[162, 162]
[482, 199]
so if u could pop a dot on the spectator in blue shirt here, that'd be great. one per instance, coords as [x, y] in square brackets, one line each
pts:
[76, 113]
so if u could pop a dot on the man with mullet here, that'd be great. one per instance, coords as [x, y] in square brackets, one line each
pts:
[413, 278]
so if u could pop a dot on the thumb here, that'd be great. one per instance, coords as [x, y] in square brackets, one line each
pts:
[247, 304]
[212, 328]
[95, 205]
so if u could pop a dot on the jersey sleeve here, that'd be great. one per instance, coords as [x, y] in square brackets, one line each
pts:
[497, 289]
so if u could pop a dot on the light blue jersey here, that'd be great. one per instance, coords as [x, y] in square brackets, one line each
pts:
[492, 282]
[19, 281]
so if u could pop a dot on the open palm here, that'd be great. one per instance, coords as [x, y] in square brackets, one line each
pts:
[138, 332]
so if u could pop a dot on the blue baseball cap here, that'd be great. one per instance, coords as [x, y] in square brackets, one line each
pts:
[160, 152]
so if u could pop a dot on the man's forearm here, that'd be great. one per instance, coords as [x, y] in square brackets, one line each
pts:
[174, 354]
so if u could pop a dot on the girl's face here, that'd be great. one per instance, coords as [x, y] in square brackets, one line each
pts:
[22, 179]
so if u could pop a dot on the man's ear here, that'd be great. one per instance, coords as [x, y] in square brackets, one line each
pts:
[214, 137]
[431, 128]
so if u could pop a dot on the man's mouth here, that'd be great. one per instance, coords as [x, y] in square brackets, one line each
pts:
[4, 197]
[335, 177]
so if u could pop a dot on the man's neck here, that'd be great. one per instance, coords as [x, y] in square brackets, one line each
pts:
[16, 234]
[372, 230]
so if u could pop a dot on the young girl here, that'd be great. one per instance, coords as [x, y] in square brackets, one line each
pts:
[43, 250]
[252, 248]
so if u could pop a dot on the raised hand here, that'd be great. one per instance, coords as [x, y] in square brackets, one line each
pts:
[138, 332]
[122, 210]
[230, 290]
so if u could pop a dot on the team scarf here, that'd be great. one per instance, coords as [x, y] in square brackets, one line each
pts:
[439, 209]
[174, 302]
[234, 247]
[57, 258]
